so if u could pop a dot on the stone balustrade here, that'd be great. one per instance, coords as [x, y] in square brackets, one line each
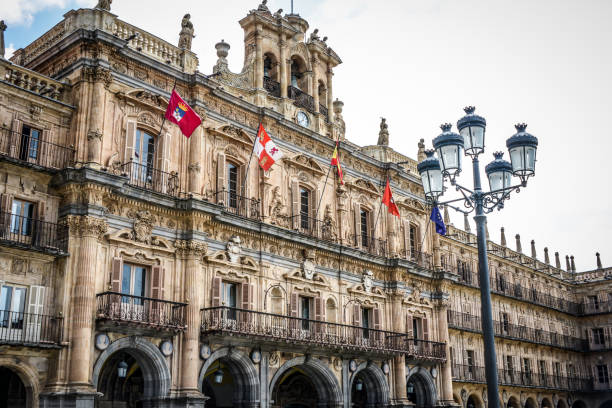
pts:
[33, 81]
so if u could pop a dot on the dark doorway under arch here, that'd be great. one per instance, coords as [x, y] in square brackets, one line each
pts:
[606, 404]
[472, 402]
[294, 390]
[12, 390]
[219, 385]
[125, 388]
[418, 391]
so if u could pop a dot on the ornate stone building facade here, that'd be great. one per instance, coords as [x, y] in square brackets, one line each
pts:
[142, 269]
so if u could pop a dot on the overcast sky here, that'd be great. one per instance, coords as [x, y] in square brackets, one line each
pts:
[418, 63]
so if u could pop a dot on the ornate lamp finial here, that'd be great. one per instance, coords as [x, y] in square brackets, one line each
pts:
[446, 127]
[520, 127]
[469, 110]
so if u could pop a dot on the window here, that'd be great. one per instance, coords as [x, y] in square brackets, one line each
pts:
[526, 366]
[598, 336]
[229, 298]
[30, 139]
[502, 283]
[22, 217]
[304, 209]
[470, 361]
[602, 374]
[509, 363]
[232, 185]
[505, 323]
[144, 152]
[542, 367]
[593, 302]
[364, 215]
[365, 322]
[305, 306]
[133, 283]
[557, 369]
[416, 332]
[464, 272]
[413, 241]
[12, 306]
[267, 66]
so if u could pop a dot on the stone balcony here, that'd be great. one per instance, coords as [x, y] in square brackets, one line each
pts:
[32, 150]
[33, 82]
[33, 234]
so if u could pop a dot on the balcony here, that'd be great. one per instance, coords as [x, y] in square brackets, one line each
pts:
[250, 325]
[151, 179]
[464, 321]
[30, 233]
[32, 330]
[32, 151]
[139, 315]
[238, 205]
[593, 308]
[373, 246]
[271, 86]
[301, 99]
[422, 259]
[320, 229]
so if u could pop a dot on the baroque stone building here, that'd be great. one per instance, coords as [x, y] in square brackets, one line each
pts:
[140, 268]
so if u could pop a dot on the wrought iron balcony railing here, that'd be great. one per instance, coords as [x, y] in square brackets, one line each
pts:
[301, 98]
[140, 311]
[590, 308]
[371, 245]
[422, 259]
[323, 110]
[238, 205]
[30, 233]
[226, 321]
[465, 321]
[271, 86]
[151, 179]
[32, 150]
[26, 329]
[320, 229]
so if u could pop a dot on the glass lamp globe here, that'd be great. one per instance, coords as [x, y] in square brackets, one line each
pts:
[499, 172]
[122, 369]
[522, 147]
[218, 376]
[472, 128]
[359, 385]
[449, 146]
[431, 175]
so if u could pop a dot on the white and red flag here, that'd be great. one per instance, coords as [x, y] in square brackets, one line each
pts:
[265, 149]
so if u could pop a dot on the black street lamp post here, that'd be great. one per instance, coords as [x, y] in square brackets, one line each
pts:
[449, 146]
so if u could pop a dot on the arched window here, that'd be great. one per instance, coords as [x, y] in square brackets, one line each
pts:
[330, 310]
[271, 75]
[144, 155]
[298, 68]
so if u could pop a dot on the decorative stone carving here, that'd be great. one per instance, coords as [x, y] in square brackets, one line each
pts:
[205, 352]
[143, 226]
[114, 165]
[184, 248]
[308, 268]
[233, 249]
[274, 359]
[484, 396]
[367, 280]
[87, 226]
[278, 215]
[102, 341]
[94, 134]
[256, 356]
[383, 135]
[328, 229]
[314, 35]
[186, 35]
[166, 348]
[104, 4]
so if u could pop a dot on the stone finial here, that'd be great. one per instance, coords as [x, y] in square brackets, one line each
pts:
[573, 263]
[599, 266]
[503, 237]
[421, 152]
[186, 34]
[557, 261]
[2, 30]
[222, 52]
[338, 105]
[486, 228]
[533, 249]
[519, 247]
[466, 223]
[567, 264]
[104, 4]
[546, 257]
[447, 220]
[383, 135]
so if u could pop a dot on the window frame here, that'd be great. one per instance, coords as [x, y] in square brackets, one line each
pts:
[29, 144]
[26, 222]
[14, 318]
[305, 200]
[133, 268]
[144, 170]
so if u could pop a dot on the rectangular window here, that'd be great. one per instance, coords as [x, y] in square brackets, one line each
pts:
[505, 323]
[144, 152]
[365, 322]
[598, 336]
[542, 367]
[12, 306]
[229, 298]
[593, 302]
[22, 217]
[305, 306]
[557, 368]
[364, 228]
[30, 139]
[304, 209]
[416, 331]
[232, 185]
[602, 374]
[502, 283]
[413, 241]
[464, 272]
[509, 363]
[470, 361]
[133, 283]
[526, 365]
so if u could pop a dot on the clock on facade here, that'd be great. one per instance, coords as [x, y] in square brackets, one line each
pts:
[303, 119]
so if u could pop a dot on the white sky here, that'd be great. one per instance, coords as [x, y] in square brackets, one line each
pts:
[418, 63]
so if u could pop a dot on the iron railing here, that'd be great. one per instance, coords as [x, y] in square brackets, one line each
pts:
[304, 224]
[224, 320]
[422, 259]
[157, 313]
[601, 341]
[588, 308]
[29, 329]
[20, 231]
[151, 179]
[237, 204]
[301, 99]
[371, 245]
[465, 321]
[271, 86]
[33, 150]
[323, 110]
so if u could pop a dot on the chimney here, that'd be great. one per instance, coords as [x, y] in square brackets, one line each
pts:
[567, 263]
[503, 237]
[573, 264]
[557, 261]
[466, 223]
[533, 250]
[546, 258]
[598, 261]
[519, 249]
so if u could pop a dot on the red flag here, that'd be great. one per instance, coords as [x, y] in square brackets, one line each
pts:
[389, 201]
[335, 161]
[265, 149]
[180, 113]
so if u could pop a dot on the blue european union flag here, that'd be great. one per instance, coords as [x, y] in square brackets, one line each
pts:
[436, 217]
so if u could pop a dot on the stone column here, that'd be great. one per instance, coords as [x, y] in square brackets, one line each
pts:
[195, 168]
[315, 81]
[446, 394]
[259, 63]
[437, 259]
[191, 252]
[330, 96]
[100, 77]
[283, 67]
[86, 230]
[399, 362]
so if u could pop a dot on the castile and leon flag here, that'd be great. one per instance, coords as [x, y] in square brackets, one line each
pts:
[180, 113]
[267, 152]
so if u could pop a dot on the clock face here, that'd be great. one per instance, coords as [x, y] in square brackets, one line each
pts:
[302, 119]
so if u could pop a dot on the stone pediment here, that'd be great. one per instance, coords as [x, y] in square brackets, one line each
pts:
[144, 97]
[233, 133]
[364, 186]
[222, 258]
[360, 289]
[303, 162]
[126, 238]
[412, 204]
[297, 278]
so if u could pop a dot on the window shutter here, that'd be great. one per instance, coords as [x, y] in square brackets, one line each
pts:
[357, 217]
[425, 329]
[409, 325]
[406, 238]
[318, 308]
[116, 269]
[371, 231]
[220, 178]
[6, 204]
[246, 296]
[314, 202]
[157, 282]
[36, 301]
[243, 185]
[294, 305]
[129, 141]
[357, 315]
[295, 203]
[216, 292]
[377, 319]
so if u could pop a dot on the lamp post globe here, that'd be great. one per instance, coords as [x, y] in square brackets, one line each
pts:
[449, 146]
[431, 175]
[472, 128]
[522, 147]
[122, 369]
[499, 172]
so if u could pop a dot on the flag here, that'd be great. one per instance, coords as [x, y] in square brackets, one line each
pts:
[180, 113]
[265, 149]
[335, 161]
[437, 219]
[389, 201]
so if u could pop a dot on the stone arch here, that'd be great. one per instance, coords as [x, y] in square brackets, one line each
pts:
[27, 375]
[375, 382]
[155, 369]
[562, 403]
[324, 380]
[530, 403]
[243, 371]
[474, 401]
[579, 404]
[513, 402]
[546, 403]
[425, 386]
[331, 310]
[271, 65]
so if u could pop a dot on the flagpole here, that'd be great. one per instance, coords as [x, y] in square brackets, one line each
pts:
[326, 177]
[377, 217]
[246, 174]
[164, 120]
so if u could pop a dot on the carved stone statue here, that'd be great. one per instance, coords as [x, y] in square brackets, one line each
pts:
[263, 7]
[143, 226]
[277, 213]
[383, 135]
[367, 280]
[328, 230]
[279, 13]
[186, 34]
[314, 35]
[104, 4]
[233, 249]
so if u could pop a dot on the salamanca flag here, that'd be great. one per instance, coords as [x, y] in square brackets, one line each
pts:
[180, 113]
[265, 149]
[389, 201]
